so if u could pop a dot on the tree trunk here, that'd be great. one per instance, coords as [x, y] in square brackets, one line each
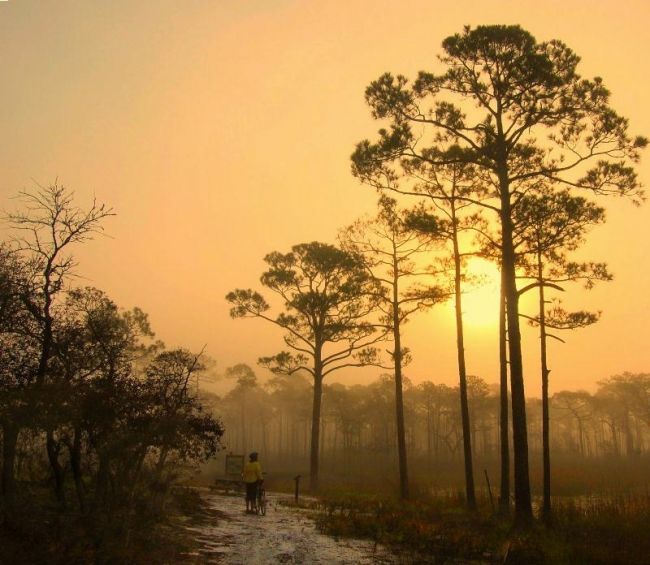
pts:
[136, 475]
[315, 426]
[627, 429]
[429, 434]
[53, 449]
[504, 495]
[321, 439]
[244, 441]
[265, 442]
[546, 446]
[160, 464]
[75, 464]
[581, 436]
[523, 506]
[101, 486]
[462, 373]
[9, 441]
[399, 394]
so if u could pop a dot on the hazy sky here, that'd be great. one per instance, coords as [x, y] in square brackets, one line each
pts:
[222, 130]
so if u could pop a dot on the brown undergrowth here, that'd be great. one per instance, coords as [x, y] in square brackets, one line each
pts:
[604, 530]
[145, 533]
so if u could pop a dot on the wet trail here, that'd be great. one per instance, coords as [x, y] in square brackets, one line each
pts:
[284, 535]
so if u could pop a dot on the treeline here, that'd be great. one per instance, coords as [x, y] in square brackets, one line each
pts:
[358, 422]
[91, 405]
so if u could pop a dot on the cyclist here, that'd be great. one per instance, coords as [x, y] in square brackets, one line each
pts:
[252, 476]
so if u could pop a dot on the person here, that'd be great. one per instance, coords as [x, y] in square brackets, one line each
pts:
[252, 476]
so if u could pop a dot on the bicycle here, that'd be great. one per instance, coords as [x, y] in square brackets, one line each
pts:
[260, 507]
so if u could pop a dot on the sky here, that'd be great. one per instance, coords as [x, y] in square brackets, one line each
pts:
[222, 130]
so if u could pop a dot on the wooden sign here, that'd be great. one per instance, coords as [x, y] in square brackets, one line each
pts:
[234, 465]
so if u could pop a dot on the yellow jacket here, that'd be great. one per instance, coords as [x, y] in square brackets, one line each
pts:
[252, 472]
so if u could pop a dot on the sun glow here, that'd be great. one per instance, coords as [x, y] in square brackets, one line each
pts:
[480, 297]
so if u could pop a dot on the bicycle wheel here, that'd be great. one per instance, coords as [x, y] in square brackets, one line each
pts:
[262, 504]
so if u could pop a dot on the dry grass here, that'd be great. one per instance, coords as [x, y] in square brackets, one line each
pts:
[604, 530]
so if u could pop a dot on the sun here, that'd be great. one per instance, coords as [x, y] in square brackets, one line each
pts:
[480, 297]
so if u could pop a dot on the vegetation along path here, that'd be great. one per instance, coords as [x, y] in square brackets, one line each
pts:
[284, 535]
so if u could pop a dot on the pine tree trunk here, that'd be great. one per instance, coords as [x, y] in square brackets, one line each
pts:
[504, 496]
[399, 393]
[546, 445]
[523, 506]
[315, 427]
[462, 375]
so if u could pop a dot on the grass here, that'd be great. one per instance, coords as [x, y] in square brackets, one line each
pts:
[606, 529]
[439, 530]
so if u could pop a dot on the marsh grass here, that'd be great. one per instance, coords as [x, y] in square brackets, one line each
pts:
[605, 529]
[597, 530]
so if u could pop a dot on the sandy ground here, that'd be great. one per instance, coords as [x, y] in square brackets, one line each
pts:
[284, 535]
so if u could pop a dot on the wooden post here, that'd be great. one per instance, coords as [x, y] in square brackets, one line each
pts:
[489, 489]
[297, 491]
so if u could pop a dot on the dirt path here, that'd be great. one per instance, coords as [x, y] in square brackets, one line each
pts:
[284, 535]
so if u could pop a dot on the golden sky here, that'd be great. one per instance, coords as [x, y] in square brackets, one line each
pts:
[220, 130]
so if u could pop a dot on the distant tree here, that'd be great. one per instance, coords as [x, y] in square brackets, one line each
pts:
[434, 401]
[328, 296]
[347, 409]
[578, 406]
[290, 394]
[628, 397]
[477, 394]
[393, 250]
[377, 407]
[518, 111]
[246, 380]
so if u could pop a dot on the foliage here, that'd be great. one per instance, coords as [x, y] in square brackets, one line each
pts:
[327, 296]
[89, 403]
